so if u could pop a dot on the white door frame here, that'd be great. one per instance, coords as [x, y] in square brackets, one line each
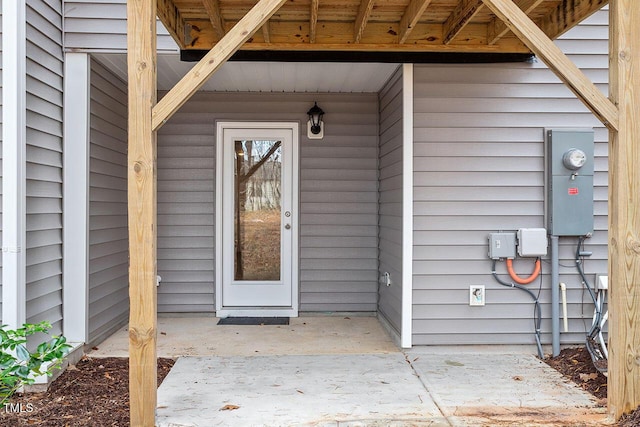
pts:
[222, 311]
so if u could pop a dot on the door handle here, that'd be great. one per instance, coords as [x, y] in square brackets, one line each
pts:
[287, 226]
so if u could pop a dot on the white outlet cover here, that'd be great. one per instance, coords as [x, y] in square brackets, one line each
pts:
[476, 295]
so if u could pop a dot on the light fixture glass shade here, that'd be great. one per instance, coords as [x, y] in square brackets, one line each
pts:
[315, 118]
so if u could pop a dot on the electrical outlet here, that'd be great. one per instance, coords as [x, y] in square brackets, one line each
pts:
[385, 279]
[476, 295]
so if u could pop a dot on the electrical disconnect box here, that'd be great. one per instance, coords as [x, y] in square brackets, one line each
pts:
[532, 242]
[569, 181]
[502, 245]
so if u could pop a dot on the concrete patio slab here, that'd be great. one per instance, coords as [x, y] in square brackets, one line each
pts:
[202, 336]
[322, 390]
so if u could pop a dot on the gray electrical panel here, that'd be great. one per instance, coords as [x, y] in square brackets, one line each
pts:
[502, 245]
[569, 181]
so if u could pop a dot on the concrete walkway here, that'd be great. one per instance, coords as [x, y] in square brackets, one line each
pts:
[483, 386]
[320, 390]
[345, 371]
[434, 387]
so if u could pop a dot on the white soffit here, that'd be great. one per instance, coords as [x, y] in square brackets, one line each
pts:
[269, 76]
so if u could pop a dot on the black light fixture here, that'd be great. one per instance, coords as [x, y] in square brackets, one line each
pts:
[315, 114]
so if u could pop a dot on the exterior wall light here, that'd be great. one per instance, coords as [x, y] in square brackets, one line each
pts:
[315, 125]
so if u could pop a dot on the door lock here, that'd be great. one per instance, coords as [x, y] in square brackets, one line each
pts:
[287, 226]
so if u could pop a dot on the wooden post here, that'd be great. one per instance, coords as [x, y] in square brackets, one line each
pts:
[624, 209]
[141, 28]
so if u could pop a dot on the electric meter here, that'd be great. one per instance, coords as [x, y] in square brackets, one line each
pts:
[574, 159]
[570, 155]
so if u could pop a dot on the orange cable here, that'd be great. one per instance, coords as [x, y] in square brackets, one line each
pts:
[520, 280]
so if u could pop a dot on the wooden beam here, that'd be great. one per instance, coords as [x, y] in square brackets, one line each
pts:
[213, 10]
[461, 16]
[141, 48]
[412, 15]
[498, 29]
[556, 60]
[198, 75]
[366, 6]
[623, 391]
[313, 21]
[568, 14]
[378, 35]
[514, 46]
[172, 19]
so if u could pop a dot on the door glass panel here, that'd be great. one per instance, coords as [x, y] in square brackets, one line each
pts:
[257, 210]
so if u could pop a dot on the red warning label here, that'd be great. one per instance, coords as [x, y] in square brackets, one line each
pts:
[573, 191]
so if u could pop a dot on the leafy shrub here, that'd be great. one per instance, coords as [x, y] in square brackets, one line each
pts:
[19, 366]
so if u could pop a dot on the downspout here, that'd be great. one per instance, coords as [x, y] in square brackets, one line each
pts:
[555, 297]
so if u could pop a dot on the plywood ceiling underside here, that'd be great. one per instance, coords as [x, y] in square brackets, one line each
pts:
[370, 25]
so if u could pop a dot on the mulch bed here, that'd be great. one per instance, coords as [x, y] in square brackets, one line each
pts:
[630, 420]
[95, 392]
[576, 364]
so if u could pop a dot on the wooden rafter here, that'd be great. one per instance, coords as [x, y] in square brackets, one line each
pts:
[623, 390]
[212, 61]
[215, 16]
[410, 18]
[364, 12]
[313, 21]
[563, 17]
[266, 32]
[556, 60]
[171, 18]
[461, 16]
[497, 29]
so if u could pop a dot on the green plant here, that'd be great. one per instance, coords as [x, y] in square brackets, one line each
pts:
[18, 365]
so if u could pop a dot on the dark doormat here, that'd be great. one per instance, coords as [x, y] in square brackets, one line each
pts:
[254, 321]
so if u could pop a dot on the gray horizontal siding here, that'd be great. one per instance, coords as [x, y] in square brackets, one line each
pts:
[92, 25]
[186, 169]
[479, 162]
[390, 199]
[338, 199]
[108, 241]
[44, 162]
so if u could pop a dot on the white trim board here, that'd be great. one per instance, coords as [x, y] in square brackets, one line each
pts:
[14, 154]
[407, 206]
[76, 154]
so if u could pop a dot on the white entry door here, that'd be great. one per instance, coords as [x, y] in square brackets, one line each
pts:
[257, 223]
